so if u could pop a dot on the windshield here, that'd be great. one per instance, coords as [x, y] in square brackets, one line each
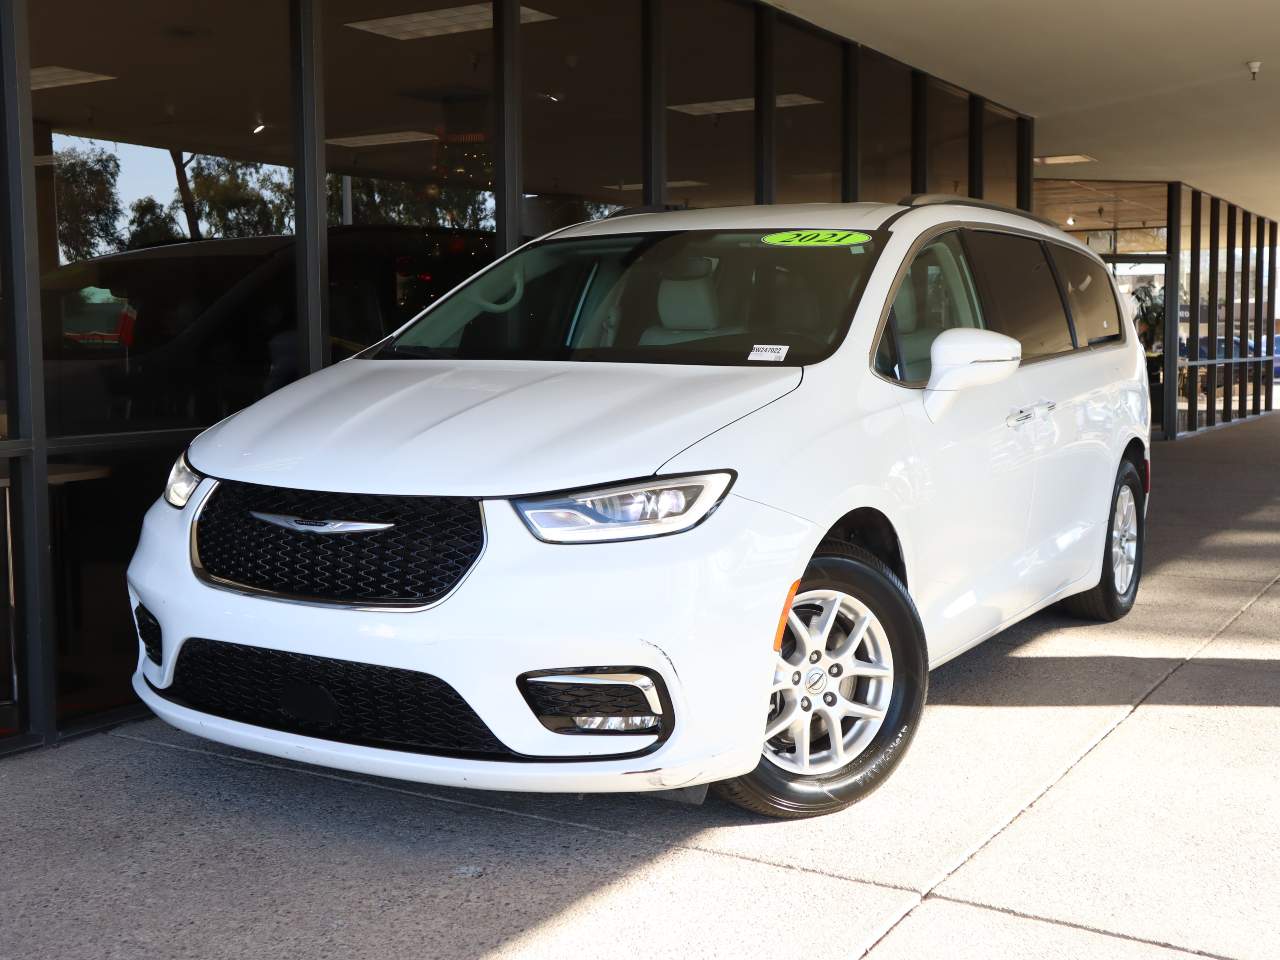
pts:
[702, 297]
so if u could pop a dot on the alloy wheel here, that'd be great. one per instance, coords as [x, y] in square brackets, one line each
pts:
[1124, 539]
[833, 682]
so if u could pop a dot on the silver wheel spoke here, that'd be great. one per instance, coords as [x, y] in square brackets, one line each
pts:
[845, 667]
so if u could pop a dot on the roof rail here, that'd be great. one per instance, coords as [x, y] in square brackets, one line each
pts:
[930, 199]
[649, 208]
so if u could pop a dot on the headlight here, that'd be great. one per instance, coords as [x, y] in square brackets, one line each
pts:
[630, 511]
[182, 483]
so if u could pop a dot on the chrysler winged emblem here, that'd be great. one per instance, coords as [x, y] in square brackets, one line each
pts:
[302, 525]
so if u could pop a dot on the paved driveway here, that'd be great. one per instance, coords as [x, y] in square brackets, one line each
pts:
[1075, 791]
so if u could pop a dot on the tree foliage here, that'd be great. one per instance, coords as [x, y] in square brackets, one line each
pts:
[88, 203]
[239, 199]
[150, 224]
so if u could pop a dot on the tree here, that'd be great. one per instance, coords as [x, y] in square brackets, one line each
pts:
[239, 199]
[150, 225]
[88, 203]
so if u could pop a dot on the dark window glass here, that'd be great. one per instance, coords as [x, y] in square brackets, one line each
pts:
[582, 112]
[1093, 303]
[408, 99]
[710, 47]
[948, 122]
[807, 73]
[1019, 292]
[937, 293]
[884, 134]
[96, 503]
[1000, 157]
[705, 297]
[164, 205]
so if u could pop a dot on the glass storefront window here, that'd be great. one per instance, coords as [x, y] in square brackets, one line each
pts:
[96, 503]
[807, 72]
[884, 135]
[948, 132]
[710, 48]
[582, 112]
[164, 201]
[1000, 157]
[1110, 217]
[409, 158]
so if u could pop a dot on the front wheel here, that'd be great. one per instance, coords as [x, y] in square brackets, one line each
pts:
[848, 690]
[1116, 590]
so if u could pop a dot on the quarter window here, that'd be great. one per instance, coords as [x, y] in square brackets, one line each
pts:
[1093, 304]
[937, 293]
[1020, 294]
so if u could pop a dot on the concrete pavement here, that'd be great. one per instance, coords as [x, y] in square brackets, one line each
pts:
[1076, 791]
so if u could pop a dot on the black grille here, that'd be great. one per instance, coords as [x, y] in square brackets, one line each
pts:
[430, 547]
[358, 703]
[586, 700]
[149, 631]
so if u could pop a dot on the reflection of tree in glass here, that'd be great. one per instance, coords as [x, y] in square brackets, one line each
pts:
[150, 225]
[238, 199]
[88, 203]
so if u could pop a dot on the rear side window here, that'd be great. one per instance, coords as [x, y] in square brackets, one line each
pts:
[1019, 292]
[1093, 304]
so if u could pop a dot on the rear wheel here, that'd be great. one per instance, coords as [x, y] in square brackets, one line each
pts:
[1116, 590]
[848, 689]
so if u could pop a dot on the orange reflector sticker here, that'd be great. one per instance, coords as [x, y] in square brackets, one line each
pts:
[786, 610]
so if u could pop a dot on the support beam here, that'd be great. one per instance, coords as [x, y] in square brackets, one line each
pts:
[1026, 132]
[654, 64]
[919, 132]
[977, 132]
[766, 114]
[1169, 394]
[311, 228]
[29, 474]
[850, 64]
[508, 161]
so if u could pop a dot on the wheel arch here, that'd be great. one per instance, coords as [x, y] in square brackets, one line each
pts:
[872, 530]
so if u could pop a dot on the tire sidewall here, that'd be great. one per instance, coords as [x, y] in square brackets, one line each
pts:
[887, 600]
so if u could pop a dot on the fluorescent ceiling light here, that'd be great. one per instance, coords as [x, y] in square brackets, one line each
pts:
[43, 78]
[627, 187]
[438, 23]
[1060, 158]
[744, 105]
[382, 139]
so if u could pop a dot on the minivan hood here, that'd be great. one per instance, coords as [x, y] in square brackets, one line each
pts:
[482, 428]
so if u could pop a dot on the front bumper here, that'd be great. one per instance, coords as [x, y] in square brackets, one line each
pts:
[698, 608]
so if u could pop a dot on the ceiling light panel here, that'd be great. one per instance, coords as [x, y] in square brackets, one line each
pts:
[439, 23]
[382, 139]
[743, 105]
[45, 78]
[1063, 158]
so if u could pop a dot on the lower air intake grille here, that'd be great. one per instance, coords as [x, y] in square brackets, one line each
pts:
[149, 631]
[586, 699]
[426, 548]
[357, 703]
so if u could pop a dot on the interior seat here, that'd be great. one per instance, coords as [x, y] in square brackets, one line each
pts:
[688, 309]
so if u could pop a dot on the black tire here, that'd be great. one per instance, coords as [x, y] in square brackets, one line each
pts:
[1103, 602]
[774, 792]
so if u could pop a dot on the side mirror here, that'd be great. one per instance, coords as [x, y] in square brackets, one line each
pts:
[962, 358]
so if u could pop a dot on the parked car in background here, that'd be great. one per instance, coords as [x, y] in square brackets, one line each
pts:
[660, 500]
[188, 333]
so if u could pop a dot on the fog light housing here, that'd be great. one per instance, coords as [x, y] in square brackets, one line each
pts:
[609, 701]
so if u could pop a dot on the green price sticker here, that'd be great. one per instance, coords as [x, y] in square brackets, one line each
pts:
[816, 238]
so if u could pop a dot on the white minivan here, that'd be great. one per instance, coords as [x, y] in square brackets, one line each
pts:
[661, 500]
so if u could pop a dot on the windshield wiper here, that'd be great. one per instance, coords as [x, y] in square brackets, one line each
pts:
[421, 353]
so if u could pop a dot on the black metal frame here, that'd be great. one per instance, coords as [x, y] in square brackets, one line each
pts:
[30, 448]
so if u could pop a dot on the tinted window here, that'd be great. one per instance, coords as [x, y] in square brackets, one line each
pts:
[1019, 292]
[1093, 304]
[706, 297]
[936, 294]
